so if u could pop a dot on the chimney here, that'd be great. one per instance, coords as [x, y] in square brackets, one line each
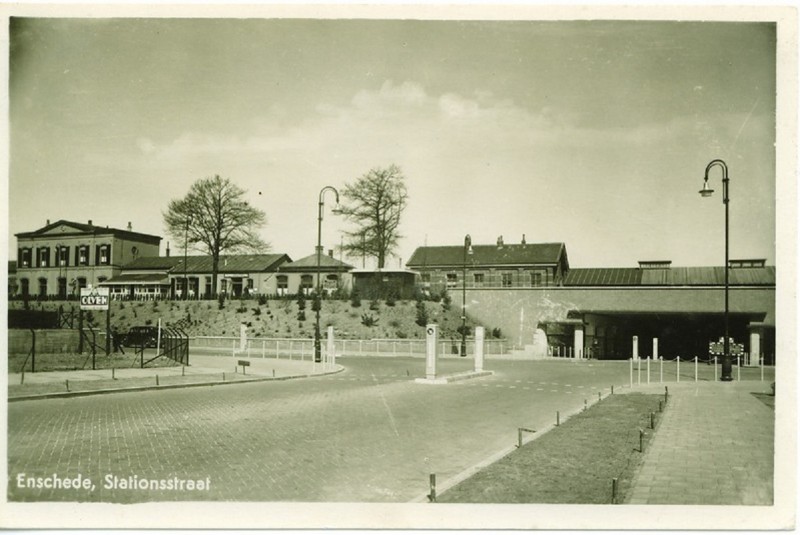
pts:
[129, 226]
[330, 253]
[523, 239]
[500, 241]
[48, 221]
[168, 249]
[90, 221]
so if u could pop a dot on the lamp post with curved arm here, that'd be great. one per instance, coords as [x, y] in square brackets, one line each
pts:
[318, 304]
[707, 192]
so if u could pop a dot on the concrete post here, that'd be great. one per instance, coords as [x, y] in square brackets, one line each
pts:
[655, 348]
[431, 332]
[577, 341]
[242, 337]
[478, 348]
[635, 348]
[330, 349]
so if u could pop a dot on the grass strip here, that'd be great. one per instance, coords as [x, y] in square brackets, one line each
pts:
[572, 463]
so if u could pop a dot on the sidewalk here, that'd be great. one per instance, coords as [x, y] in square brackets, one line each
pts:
[714, 446]
[204, 370]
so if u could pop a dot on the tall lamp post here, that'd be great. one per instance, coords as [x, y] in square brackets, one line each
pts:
[706, 192]
[185, 258]
[318, 305]
[467, 250]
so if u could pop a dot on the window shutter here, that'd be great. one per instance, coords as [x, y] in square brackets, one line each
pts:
[96, 255]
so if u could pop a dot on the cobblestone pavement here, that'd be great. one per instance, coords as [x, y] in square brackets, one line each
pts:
[367, 434]
[713, 447]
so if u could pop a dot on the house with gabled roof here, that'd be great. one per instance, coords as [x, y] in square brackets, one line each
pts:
[166, 277]
[519, 265]
[60, 258]
[300, 276]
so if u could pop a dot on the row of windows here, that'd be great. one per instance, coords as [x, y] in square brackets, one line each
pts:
[72, 287]
[61, 257]
[505, 279]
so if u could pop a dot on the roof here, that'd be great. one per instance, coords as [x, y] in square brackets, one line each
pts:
[203, 264]
[63, 227]
[672, 276]
[309, 264]
[490, 255]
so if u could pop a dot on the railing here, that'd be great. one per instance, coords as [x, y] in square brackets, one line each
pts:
[304, 347]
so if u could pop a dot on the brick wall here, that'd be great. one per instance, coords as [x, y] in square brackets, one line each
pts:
[47, 341]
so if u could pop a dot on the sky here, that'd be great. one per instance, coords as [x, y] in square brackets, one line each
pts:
[591, 133]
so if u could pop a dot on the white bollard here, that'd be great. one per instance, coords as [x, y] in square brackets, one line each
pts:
[638, 371]
[636, 347]
[330, 357]
[660, 369]
[761, 365]
[478, 348]
[678, 370]
[648, 369]
[715, 369]
[631, 370]
[738, 369]
[430, 353]
[695, 368]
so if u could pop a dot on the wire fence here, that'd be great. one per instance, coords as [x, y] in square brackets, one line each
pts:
[645, 370]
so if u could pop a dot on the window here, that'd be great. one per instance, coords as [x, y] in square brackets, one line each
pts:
[43, 287]
[224, 286]
[62, 252]
[81, 282]
[536, 278]
[331, 283]
[24, 256]
[83, 255]
[478, 279]
[283, 285]
[24, 286]
[306, 284]
[62, 287]
[43, 256]
[507, 280]
[452, 280]
[103, 253]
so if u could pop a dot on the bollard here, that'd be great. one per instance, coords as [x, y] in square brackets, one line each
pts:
[738, 369]
[639, 371]
[22, 377]
[641, 440]
[666, 394]
[614, 490]
[273, 372]
[67, 382]
[715, 369]
[183, 371]
[558, 418]
[113, 373]
[432, 495]
[678, 371]
[612, 390]
[660, 406]
[599, 396]
[519, 437]
[761, 365]
[695, 368]
[585, 404]
[660, 369]
[648, 369]
[631, 371]
[652, 420]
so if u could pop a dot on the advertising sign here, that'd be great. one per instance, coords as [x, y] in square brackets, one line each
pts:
[94, 298]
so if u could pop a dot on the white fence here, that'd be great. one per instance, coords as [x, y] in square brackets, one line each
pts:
[302, 348]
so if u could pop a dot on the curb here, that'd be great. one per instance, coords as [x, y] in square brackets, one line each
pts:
[82, 393]
[493, 458]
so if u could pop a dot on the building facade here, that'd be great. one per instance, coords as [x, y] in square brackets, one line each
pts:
[300, 276]
[60, 258]
[171, 278]
[520, 265]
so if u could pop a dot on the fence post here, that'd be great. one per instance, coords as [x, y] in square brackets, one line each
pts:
[761, 365]
[33, 351]
[738, 369]
[678, 371]
[648, 369]
[630, 366]
[661, 369]
[614, 490]
[715, 368]
[695, 368]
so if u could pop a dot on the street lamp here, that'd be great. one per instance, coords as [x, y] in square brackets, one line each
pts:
[185, 258]
[706, 192]
[318, 304]
[467, 250]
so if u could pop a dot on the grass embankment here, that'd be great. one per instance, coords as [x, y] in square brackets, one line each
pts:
[572, 463]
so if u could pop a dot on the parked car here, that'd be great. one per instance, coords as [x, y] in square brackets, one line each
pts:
[141, 336]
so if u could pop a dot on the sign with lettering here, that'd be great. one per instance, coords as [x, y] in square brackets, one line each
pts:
[94, 298]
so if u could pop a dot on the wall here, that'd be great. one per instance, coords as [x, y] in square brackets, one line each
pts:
[518, 312]
[47, 341]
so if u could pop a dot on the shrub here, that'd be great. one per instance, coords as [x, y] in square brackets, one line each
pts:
[301, 301]
[391, 297]
[262, 300]
[374, 305]
[355, 298]
[497, 333]
[422, 313]
[242, 308]
[316, 304]
[301, 316]
[447, 301]
[256, 311]
[221, 301]
[368, 320]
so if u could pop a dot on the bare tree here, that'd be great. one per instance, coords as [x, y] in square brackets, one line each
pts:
[215, 218]
[375, 203]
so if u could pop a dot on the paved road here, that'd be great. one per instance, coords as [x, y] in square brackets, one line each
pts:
[367, 434]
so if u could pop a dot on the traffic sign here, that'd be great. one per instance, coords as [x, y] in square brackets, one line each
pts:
[94, 298]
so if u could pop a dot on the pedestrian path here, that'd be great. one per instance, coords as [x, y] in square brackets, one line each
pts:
[714, 446]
